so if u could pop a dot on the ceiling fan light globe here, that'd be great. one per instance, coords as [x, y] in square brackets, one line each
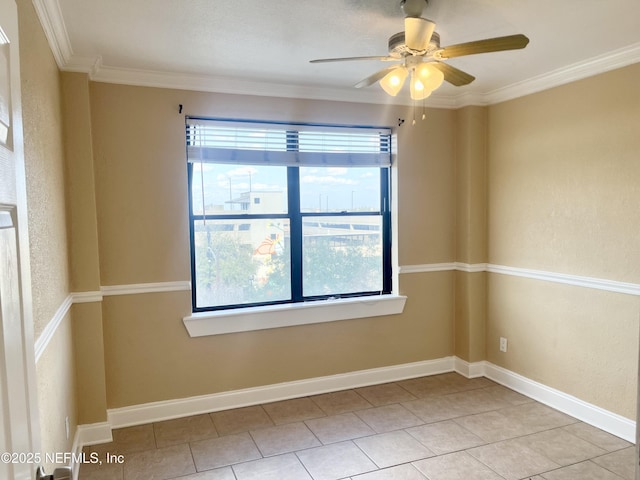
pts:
[418, 90]
[393, 81]
[430, 76]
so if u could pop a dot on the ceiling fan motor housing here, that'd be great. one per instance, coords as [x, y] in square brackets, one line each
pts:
[398, 47]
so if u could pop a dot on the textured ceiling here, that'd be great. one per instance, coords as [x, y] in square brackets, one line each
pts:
[265, 46]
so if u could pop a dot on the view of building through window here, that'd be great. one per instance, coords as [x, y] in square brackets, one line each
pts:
[241, 259]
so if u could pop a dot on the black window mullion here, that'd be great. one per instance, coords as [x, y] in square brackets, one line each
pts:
[241, 216]
[295, 219]
[295, 232]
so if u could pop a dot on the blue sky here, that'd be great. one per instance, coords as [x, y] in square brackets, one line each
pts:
[339, 188]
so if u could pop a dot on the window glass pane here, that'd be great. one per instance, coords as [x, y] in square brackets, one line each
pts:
[233, 189]
[241, 261]
[339, 189]
[342, 254]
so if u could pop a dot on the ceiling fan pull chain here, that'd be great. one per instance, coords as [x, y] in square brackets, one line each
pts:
[414, 113]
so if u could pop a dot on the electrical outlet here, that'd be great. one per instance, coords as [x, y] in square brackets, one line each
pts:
[66, 426]
[503, 344]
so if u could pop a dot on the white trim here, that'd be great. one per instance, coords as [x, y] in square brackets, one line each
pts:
[91, 434]
[40, 345]
[469, 370]
[86, 297]
[167, 410]
[135, 289]
[564, 278]
[471, 267]
[587, 412]
[147, 78]
[276, 316]
[428, 267]
[359, 308]
[577, 280]
[52, 22]
[237, 86]
[444, 267]
[49, 331]
[593, 66]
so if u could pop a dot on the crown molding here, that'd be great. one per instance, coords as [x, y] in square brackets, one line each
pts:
[50, 16]
[235, 86]
[577, 71]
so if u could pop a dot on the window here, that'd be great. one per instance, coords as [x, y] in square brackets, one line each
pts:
[284, 213]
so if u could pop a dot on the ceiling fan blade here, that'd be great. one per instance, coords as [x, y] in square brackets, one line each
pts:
[417, 33]
[371, 79]
[511, 42]
[454, 75]
[349, 59]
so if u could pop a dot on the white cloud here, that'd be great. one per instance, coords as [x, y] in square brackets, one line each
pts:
[241, 172]
[326, 180]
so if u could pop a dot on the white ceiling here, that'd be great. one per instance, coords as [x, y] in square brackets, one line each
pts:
[264, 46]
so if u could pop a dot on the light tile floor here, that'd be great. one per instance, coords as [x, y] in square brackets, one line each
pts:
[442, 427]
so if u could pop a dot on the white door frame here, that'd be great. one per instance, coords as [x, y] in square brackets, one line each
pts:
[19, 407]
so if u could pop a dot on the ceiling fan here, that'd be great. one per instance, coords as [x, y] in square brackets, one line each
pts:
[418, 50]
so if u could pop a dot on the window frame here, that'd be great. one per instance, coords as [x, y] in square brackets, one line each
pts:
[296, 221]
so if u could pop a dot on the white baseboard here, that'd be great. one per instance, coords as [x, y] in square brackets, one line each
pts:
[92, 434]
[166, 410]
[593, 415]
[469, 370]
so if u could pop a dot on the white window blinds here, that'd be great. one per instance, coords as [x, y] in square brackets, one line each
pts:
[256, 143]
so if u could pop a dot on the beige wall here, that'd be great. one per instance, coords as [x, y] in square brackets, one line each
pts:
[471, 232]
[57, 392]
[88, 343]
[150, 357]
[141, 192]
[563, 197]
[45, 168]
[44, 160]
[83, 243]
[426, 188]
[80, 186]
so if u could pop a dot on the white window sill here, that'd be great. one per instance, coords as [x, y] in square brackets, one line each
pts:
[276, 316]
